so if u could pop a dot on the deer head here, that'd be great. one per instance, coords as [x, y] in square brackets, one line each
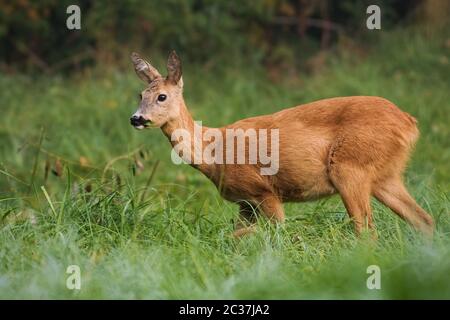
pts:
[161, 101]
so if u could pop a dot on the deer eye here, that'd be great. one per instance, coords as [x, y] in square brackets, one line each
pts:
[162, 97]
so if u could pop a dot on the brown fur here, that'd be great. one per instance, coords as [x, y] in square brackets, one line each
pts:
[356, 146]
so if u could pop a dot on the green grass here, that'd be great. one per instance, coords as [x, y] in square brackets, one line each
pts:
[172, 238]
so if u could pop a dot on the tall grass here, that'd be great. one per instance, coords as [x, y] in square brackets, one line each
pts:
[79, 186]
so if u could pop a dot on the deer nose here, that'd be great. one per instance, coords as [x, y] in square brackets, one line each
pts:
[137, 120]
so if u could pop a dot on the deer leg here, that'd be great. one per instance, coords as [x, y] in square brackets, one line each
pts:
[247, 219]
[354, 188]
[358, 208]
[272, 208]
[394, 195]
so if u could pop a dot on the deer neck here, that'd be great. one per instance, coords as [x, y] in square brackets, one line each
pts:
[185, 134]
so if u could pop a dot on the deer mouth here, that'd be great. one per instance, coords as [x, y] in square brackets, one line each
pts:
[139, 122]
[146, 125]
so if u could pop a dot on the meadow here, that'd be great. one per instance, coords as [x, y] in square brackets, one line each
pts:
[79, 186]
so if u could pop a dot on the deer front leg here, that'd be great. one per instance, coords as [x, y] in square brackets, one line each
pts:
[272, 208]
[247, 219]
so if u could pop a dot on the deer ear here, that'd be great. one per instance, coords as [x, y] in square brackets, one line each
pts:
[144, 69]
[174, 68]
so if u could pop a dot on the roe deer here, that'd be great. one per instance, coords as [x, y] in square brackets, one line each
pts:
[355, 146]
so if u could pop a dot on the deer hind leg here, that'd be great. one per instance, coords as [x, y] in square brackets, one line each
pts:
[393, 194]
[354, 187]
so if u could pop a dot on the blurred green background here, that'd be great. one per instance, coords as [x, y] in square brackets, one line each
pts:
[274, 33]
[78, 185]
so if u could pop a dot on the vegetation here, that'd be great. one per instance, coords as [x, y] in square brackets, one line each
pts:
[34, 36]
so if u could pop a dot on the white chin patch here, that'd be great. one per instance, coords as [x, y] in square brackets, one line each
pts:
[139, 127]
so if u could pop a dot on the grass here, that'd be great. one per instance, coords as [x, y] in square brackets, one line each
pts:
[76, 188]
